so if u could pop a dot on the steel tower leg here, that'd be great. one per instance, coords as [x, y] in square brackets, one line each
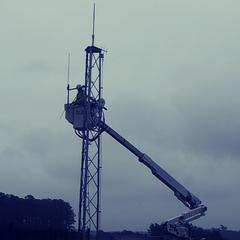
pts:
[89, 200]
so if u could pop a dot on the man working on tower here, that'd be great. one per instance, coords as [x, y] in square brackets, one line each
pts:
[80, 98]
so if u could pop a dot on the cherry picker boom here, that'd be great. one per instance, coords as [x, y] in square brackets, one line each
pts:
[79, 115]
[175, 226]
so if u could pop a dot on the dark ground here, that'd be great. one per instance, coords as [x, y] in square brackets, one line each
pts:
[66, 235]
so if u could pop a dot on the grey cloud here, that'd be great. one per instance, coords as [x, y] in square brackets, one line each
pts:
[171, 83]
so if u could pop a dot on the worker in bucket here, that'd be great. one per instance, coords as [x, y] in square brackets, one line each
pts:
[80, 98]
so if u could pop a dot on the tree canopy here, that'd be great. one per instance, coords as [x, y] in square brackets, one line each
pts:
[35, 214]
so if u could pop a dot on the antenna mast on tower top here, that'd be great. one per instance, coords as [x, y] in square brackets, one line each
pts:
[93, 30]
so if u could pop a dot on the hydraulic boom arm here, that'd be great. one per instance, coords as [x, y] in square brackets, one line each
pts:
[176, 225]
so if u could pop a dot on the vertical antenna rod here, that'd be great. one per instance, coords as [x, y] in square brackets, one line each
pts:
[68, 73]
[68, 77]
[93, 32]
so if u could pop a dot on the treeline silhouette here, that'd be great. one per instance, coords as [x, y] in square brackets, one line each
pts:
[30, 218]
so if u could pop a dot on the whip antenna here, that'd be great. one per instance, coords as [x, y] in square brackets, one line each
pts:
[68, 70]
[93, 30]
[68, 78]
[68, 87]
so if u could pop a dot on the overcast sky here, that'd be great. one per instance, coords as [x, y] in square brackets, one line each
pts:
[171, 85]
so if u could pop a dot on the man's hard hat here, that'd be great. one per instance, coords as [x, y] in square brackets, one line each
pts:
[78, 86]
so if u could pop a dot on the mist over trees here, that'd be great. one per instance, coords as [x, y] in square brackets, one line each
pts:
[29, 213]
